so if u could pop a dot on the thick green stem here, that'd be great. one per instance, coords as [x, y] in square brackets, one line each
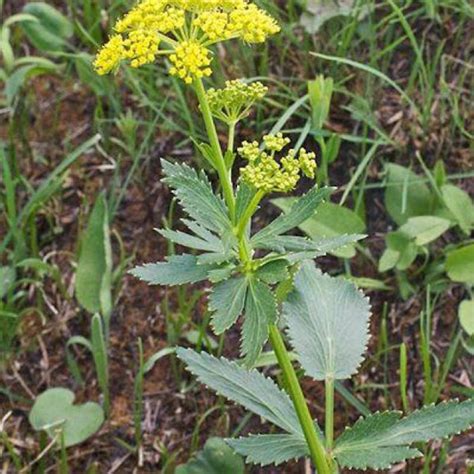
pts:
[221, 168]
[315, 445]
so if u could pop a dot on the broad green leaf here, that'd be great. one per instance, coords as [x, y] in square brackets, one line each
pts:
[176, 270]
[249, 388]
[466, 316]
[406, 195]
[227, 302]
[384, 438]
[260, 311]
[54, 410]
[425, 229]
[7, 280]
[461, 206]
[195, 195]
[268, 449]
[460, 264]
[94, 270]
[273, 272]
[215, 458]
[327, 322]
[52, 30]
[301, 210]
[329, 220]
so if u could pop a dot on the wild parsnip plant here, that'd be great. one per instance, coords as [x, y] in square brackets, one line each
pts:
[267, 277]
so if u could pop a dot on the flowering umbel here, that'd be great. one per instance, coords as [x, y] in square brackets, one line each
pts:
[265, 173]
[186, 28]
[233, 102]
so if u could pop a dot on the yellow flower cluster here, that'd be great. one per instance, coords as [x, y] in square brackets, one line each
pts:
[263, 171]
[190, 59]
[152, 16]
[110, 55]
[247, 22]
[140, 47]
[233, 102]
[184, 26]
[252, 24]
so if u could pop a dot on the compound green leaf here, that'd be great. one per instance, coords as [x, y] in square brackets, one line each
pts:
[329, 221]
[327, 322]
[268, 449]
[54, 410]
[384, 438]
[301, 210]
[195, 195]
[260, 311]
[227, 302]
[176, 270]
[249, 388]
[215, 458]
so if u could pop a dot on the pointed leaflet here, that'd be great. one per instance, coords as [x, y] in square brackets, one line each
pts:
[301, 210]
[389, 436]
[227, 302]
[292, 243]
[195, 195]
[380, 458]
[268, 449]
[249, 388]
[260, 311]
[327, 323]
[191, 241]
[177, 270]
